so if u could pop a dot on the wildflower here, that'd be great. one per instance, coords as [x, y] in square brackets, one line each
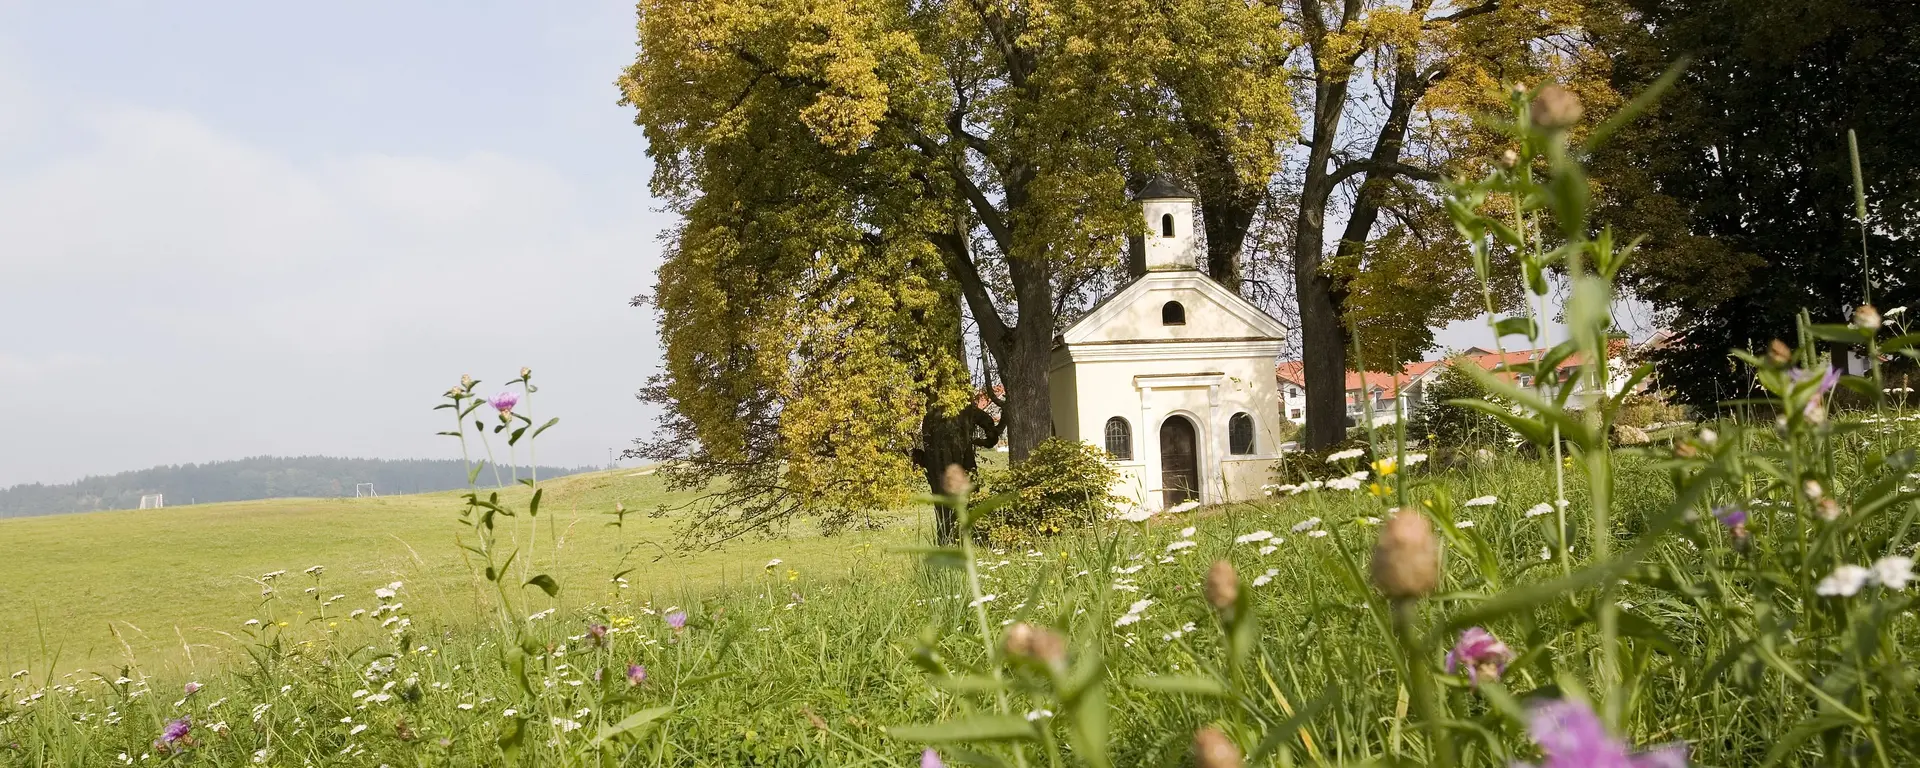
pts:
[1463, 524]
[1414, 458]
[1184, 506]
[1731, 517]
[1134, 613]
[1222, 585]
[1026, 641]
[1253, 537]
[677, 620]
[1572, 736]
[597, 635]
[772, 563]
[1386, 466]
[1406, 559]
[177, 729]
[1181, 544]
[1269, 549]
[1307, 524]
[1344, 484]
[1350, 453]
[1893, 571]
[1829, 509]
[931, 759]
[1212, 749]
[1134, 515]
[1482, 501]
[1480, 653]
[504, 402]
[1845, 581]
[1542, 508]
[1266, 578]
[192, 687]
[1316, 534]
[1779, 353]
[982, 600]
[384, 593]
[1555, 108]
[1866, 317]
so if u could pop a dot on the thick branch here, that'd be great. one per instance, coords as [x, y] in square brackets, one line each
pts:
[1381, 169]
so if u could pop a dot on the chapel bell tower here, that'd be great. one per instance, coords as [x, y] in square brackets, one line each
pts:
[1170, 242]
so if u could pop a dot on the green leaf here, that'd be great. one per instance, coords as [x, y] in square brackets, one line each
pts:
[939, 557]
[1639, 104]
[1845, 334]
[533, 505]
[978, 728]
[543, 427]
[1192, 685]
[1799, 734]
[514, 733]
[1516, 326]
[628, 723]
[515, 437]
[545, 583]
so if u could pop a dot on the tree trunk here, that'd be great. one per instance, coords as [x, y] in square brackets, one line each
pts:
[945, 440]
[1029, 409]
[1323, 343]
[1227, 207]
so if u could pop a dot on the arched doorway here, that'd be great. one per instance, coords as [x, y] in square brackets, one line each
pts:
[1179, 461]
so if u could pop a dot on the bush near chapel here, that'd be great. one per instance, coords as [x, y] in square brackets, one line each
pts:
[1442, 424]
[1063, 484]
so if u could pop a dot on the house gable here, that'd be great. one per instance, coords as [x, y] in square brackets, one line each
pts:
[1207, 312]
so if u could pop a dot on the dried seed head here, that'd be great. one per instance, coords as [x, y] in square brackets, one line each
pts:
[955, 482]
[525, 372]
[1555, 107]
[1406, 560]
[1685, 450]
[1509, 159]
[1779, 353]
[1223, 585]
[466, 381]
[1829, 509]
[1813, 489]
[1212, 749]
[1026, 641]
[1867, 317]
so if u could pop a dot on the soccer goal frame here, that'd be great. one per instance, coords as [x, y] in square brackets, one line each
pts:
[153, 500]
[363, 490]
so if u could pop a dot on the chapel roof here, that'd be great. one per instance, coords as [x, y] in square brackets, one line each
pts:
[1162, 188]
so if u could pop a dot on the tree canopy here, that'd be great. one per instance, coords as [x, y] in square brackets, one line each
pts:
[1741, 179]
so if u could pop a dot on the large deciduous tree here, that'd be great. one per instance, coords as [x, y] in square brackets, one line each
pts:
[861, 180]
[1740, 177]
[1399, 96]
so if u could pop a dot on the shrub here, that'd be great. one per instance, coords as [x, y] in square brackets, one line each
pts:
[1063, 484]
[1444, 424]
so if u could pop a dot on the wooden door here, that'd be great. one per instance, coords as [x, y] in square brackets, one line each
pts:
[1179, 461]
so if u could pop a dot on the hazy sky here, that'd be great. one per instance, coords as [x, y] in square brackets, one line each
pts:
[236, 228]
[240, 228]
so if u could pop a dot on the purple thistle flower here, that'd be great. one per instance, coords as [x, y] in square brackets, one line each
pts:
[931, 759]
[504, 402]
[1572, 736]
[1731, 516]
[677, 620]
[1480, 653]
[176, 729]
[597, 634]
[636, 674]
[192, 688]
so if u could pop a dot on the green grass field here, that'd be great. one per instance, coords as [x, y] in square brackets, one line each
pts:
[162, 585]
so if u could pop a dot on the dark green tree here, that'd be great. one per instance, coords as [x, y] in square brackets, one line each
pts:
[1741, 179]
[1454, 426]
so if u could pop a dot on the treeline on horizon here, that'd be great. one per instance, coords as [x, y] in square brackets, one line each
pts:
[257, 477]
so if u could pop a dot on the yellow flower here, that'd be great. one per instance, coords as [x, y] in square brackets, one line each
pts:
[332, 624]
[1385, 467]
[793, 575]
[1376, 489]
[282, 623]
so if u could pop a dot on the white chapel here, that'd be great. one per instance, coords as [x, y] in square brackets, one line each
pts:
[1173, 373]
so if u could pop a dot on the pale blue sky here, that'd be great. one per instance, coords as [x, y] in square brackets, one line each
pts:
[239, 228]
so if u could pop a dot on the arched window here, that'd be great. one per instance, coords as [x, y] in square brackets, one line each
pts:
[1240, 434]
[1173, 314]
[1120, 438]
[1166, 225]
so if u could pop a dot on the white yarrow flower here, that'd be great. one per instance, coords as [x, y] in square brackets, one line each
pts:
[1269, 549]
[1542, 508]
[1464, 524]
[1184, 506]
[1306, 524]
[1181, 544]
[1845, 581]
[1482, 501]
[1893, 571]
[1187, 532]
[1350, 453]
[1250, 538]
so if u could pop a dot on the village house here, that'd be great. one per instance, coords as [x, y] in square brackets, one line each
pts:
[1173, 373]
[1389, 395]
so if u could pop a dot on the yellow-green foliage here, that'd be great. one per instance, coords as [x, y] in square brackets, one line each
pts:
[1064, 485]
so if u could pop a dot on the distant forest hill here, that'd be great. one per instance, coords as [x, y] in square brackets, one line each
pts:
[259, 477]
